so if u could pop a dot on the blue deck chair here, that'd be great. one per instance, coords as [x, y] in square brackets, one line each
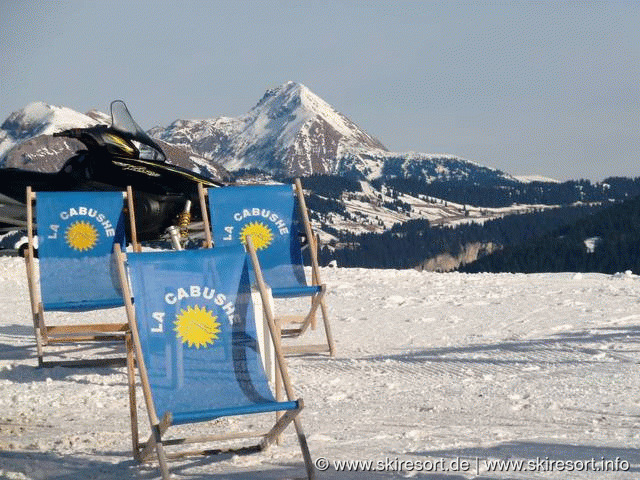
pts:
[76, 235]
[275, 216]
[193, 335]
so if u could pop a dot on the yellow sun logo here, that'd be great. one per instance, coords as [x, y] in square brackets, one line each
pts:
[81, 236]
[260, 234]
[197, 326]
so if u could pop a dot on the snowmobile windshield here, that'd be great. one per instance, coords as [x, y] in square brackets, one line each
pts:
[122, 121]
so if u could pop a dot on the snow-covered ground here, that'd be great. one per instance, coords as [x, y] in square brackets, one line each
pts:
[443, 370]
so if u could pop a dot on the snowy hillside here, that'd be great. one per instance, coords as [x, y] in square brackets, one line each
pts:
[536, 178]
[446, 371]
[378, 209]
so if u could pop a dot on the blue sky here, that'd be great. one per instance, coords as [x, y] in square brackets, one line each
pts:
[546, 88]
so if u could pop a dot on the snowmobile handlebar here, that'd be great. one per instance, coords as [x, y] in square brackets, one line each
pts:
[71, 133]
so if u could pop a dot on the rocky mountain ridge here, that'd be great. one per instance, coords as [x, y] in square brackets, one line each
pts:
[293, 132]
[289, 132]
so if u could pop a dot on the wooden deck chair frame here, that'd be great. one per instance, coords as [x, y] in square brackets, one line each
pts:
[144, 451]
[58, 334]
[284, 322]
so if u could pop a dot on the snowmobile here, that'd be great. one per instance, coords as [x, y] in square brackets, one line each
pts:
[116, 156]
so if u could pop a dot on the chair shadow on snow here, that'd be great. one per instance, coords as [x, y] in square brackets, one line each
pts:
[20, 350]
[50, 466]
[563, 348]
[28, 373]
[79, 351]
[43, 465]
[17, 330]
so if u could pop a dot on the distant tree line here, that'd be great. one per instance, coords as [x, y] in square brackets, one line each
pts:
[329, 186]
[408, 244]
[614, 233]
[508, 193]
[547, 240]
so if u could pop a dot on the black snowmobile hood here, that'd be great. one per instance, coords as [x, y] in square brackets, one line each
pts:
[115, 157]
[125, 146]
[123, 138]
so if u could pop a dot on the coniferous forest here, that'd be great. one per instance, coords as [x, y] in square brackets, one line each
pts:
[407, 245]
[494, 195]
[606, 242]
[595, 228]
[508, 193]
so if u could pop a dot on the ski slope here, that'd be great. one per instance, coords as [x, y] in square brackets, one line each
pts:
[436, 370]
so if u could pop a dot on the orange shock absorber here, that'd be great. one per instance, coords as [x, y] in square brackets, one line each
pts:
[184, 219]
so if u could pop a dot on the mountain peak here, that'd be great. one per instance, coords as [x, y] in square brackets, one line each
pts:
[288, 89]
[279, 90]
[292, 131]
[34, 113]
[294, 125]
[292, 98]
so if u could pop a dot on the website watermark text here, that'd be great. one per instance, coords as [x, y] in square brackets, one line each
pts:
[477, 465]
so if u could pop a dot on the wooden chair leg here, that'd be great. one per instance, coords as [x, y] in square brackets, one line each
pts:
[131, 377]
[162, 457]
[41, 334]
[278, 385]
[302, 440]
[327, 328]
[284, 420]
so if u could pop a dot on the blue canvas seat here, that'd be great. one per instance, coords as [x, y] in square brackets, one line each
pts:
[276, 217]
[76, 232]
[195, 341]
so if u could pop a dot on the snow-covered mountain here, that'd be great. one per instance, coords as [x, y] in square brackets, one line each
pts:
[289, 132]
[293, 132]
[39, 120]
[26, 140]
